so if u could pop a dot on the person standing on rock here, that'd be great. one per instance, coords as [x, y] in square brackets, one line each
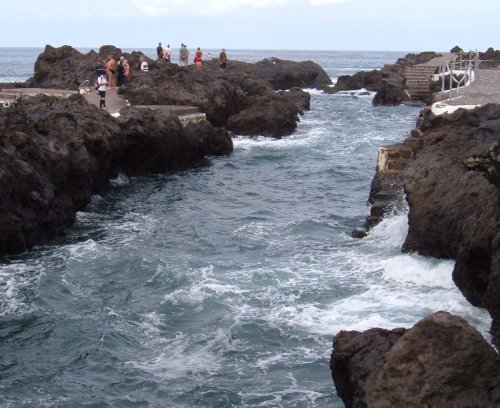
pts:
[198, 56]
[159, 53]
[111, 68]
[222, 60]
[102, 86]
[167, 53]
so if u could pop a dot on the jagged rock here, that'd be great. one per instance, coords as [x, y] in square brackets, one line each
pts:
[55, 153]
[244, 99]
[372, 81]
[66, 68]
[393, 90]
[440, 362]
[354, 357]
[453, 192]
[270, 116]
[243, 90]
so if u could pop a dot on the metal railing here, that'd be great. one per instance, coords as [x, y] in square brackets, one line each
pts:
[460, 73]
[85, 87]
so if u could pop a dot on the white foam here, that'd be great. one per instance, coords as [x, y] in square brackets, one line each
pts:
[182, 356]
[16, 281]
[120, 180]
[203, 286]
[358, 93]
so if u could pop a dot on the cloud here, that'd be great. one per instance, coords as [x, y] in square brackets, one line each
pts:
[152, 8]
[327, 2]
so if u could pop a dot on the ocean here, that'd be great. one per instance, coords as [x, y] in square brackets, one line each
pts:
[221, 286]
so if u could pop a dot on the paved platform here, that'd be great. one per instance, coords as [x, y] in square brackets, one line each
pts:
[114, 102]
[484, 89]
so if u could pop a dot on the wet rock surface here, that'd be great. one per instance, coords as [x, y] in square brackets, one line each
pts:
[440, 362]
[453, 192]
[56, 152]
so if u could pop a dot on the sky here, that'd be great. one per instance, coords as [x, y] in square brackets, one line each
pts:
[357, 25]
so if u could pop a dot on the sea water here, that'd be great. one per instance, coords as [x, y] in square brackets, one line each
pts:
[221, 286]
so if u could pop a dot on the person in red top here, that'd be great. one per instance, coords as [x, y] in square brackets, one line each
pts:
[198, 58]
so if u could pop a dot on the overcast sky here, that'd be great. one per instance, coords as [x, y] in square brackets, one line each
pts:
[386, 25]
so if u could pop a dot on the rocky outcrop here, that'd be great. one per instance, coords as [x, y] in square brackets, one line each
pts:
[394, 82]
[453, 192]
[246, 91]
[66, 68]
[245, 99]
[390, 83]
[55, 153]
[440, 362]
[355, 355]
[371, 81]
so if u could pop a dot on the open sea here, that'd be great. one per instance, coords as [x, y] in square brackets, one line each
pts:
[224, 285]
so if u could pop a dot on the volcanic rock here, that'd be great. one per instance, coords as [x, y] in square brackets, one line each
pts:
[55, 153]
[371, 81]
[453, 192]
[440, 362]
[244, 89]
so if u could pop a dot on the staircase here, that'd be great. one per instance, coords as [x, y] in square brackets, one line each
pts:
[418, 81]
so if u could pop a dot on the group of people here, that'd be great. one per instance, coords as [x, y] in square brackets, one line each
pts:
[165, 55]
[111, 73]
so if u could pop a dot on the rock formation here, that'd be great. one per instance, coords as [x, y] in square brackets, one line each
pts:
[389, 83]
[245, 91]
[441, 362]
[371, 81]
[55, 153]
[453, 191]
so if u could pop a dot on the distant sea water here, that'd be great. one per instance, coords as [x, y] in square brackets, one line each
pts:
[224, 285]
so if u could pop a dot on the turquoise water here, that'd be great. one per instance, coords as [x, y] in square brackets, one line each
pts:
[222, 286]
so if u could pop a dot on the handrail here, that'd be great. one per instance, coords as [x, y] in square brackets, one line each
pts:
[460, 71]
[85, 84]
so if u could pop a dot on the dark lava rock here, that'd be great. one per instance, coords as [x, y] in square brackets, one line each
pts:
[66, 68]
[243, 89]
[274, 116]
[55, 153]
[392, 91]
[354, 357]
[440, 362]
[453, 191]
[371, 81]
[244, 98]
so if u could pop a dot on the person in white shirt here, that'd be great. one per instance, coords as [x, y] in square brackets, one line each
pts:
[144, 65]
[102, 86]
[167, 53]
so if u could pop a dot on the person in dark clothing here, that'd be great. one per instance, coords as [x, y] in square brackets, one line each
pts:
[159, 53]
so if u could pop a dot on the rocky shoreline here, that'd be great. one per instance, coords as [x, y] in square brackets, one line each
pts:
[449, 171]
[56, 152]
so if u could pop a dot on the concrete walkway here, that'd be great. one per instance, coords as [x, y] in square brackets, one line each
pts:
[114, 102]
[484, 89]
